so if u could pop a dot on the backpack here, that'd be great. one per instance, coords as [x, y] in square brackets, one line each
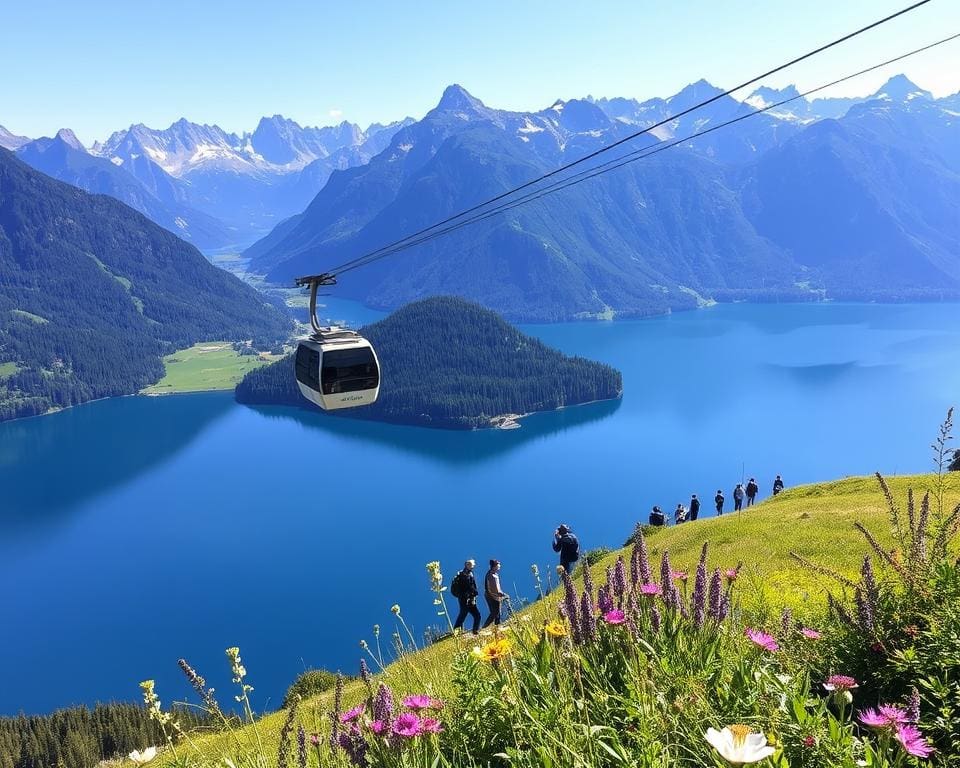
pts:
[458, 587]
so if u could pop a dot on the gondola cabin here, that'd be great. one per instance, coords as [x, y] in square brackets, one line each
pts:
[337, 368]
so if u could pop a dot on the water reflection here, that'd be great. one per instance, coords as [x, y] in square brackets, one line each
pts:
[52, 463]
[452, 447]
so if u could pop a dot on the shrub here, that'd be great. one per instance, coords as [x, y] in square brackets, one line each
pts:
[594, 556]
[309, 683]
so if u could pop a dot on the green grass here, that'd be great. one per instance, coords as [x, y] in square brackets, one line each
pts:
[815, 521]
[204, 367]
[29, 316]
[7, 370]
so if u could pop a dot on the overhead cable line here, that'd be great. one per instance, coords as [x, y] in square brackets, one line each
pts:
[353, 263]
[623, 160]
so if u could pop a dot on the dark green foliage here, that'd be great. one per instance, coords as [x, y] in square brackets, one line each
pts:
[308, 684]
[955, 462]
[80, 737]
[92, 294]
[594, 556]
[644, 530]
[446, 362]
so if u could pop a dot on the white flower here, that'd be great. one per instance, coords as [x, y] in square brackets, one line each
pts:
[738, 745]
[143, 757]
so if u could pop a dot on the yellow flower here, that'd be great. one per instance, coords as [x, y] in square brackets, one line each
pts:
[495, 649]
[555, 628]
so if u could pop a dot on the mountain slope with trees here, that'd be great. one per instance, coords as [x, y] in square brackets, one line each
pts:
[445, 362]
[92, 294]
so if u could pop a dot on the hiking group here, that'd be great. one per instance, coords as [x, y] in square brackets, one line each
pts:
[684, 514]
[464, 585]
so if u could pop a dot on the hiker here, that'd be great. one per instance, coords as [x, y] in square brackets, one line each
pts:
[680, 514]
[694, 507]
[657, 517]
[738, 497]
[777, 485]
[567, 545]
[718, 500]
[464, 588]
[752, 490]
[495, 596]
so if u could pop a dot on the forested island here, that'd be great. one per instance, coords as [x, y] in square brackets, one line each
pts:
[446, 362]
[93, 294]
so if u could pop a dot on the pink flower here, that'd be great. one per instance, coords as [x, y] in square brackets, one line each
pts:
[731, 574]
[809, 741]
[422, 701]
[407, 725]
[872, 719]
[351, 714]
[431, 725]
[378, 726]
[315, 739]
[912, 741]
[810, 634]
[840, 683]
[679, 575]
[614, 617]
[885, 716]
[762, 639]
[651, 590]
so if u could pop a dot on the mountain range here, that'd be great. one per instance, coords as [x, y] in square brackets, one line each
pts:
[791, 204]
[212, 188]
[93, 294]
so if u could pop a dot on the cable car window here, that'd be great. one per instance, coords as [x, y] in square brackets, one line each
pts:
[349, 370]
[308, 367]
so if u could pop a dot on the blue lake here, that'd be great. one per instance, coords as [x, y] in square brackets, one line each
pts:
[138, 530]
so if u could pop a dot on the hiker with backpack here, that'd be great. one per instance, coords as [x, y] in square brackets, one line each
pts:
[694, 507]
[752, 490]
[738, 497]
[464, 588]
[495, 596]
[657, 518]
[567, 545]
[680, 514]
[777, 485]
[718, 500]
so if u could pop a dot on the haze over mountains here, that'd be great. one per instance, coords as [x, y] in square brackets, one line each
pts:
[786, 205]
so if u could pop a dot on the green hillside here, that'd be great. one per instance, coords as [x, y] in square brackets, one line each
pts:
[715, 669]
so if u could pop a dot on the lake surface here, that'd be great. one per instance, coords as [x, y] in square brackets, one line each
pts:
[138, 530]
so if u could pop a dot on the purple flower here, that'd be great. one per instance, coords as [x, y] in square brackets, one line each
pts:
[913, 707]
[840, 683]
[665, 576]
[640, 561]
[885, 716]
[912, 741]
[810, 634]
[587, 579]
[786, 622]
[762, 639]
[620, 581]
[698, 602]
[588, 619]
[378, 726]
[422, 701]
[615, 617]
[383, 706]
[715, 595]
[407, 725]
[604, 601]
[650, 590]
[655, 619]
[570, 607]
[431, 725]
[301, 747]
[352, 714]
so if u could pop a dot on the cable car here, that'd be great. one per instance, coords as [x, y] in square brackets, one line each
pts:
[335, 367]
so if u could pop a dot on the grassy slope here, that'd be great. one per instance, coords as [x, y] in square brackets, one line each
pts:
[815, 521]
[205, 366]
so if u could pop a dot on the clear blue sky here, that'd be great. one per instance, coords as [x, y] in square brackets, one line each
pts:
[100, 65]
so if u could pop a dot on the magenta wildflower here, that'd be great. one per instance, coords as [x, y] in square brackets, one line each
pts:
[762, 639]
[872, 719]
[422, 701]
[731, 574]
[679, 575]
[651, 590]
[352, 714]
[840, 683]
[315, 739]
[615, 617]
[407, 725]
[912, 741]
[810, 634]
[431, 725]
[378, 726]
[885, 716]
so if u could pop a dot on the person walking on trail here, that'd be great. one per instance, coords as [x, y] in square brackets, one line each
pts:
[738, 495]
[464, 588]
[718, 500]
[777, 485]
[567, 545]
[657, 518]
[680, 514]
[752, 490]
[495, 596]
[694, 507]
